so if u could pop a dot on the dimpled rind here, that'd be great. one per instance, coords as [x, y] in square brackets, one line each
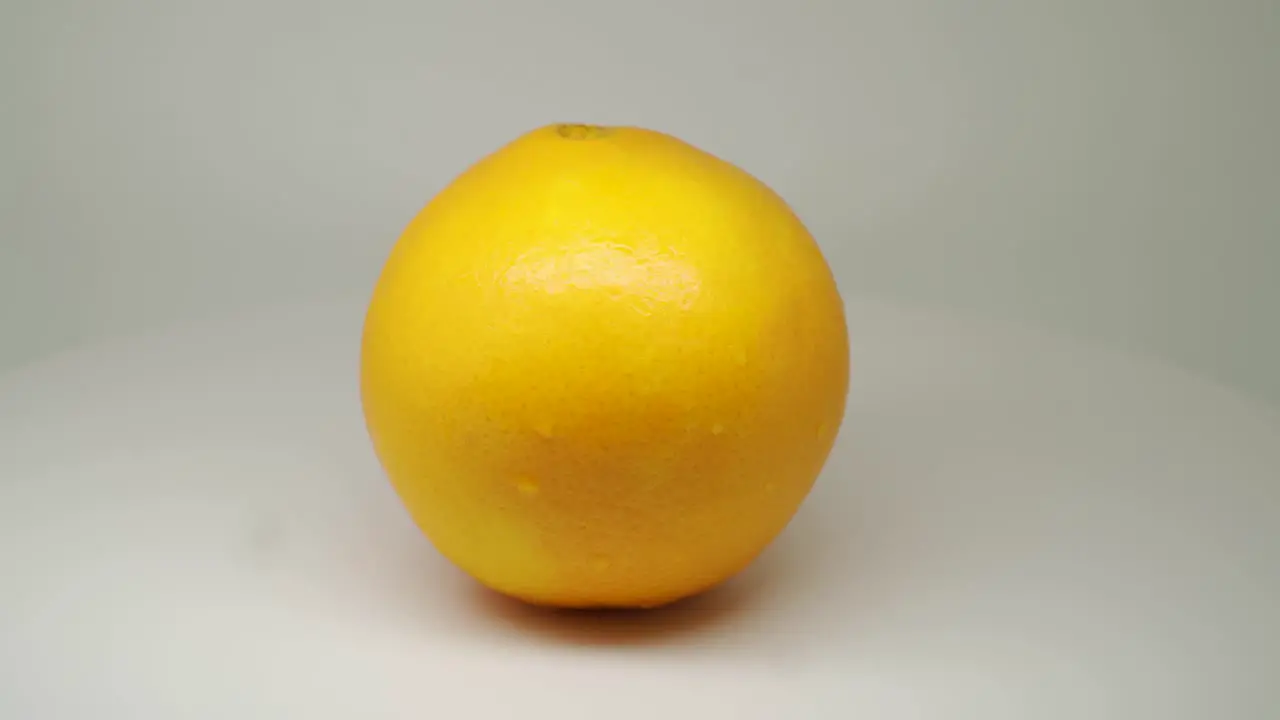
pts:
[604, 373]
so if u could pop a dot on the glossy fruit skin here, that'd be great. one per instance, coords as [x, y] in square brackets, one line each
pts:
[603, 368]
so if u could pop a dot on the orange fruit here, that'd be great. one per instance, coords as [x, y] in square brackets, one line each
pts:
[603, 367]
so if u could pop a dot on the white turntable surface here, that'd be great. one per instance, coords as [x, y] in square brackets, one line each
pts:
[1013, 526]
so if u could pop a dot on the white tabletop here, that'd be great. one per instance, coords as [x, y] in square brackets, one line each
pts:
[192, 525]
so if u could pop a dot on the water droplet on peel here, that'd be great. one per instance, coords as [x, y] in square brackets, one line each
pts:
[527, 486]
[544, 427]
[717, 429]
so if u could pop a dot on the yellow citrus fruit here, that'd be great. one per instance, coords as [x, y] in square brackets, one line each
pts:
[603, 367]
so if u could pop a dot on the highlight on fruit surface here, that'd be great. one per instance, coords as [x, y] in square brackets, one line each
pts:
[603, 367]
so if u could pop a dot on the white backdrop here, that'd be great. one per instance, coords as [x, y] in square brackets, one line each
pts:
[1110, 169]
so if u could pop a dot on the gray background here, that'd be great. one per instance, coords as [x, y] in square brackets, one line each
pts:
[1109, 169]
